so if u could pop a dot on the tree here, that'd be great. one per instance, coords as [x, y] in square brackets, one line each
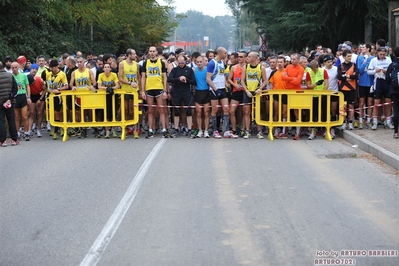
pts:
[294, 25]
[52, 27]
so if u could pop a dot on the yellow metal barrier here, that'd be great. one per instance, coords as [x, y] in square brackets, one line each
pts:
[92, 102]
[301, 101]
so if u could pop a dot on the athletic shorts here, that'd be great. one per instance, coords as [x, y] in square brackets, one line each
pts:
[154, 93]
[237, 96]
[218, 95]
[364, 92]
[349, 96]
[283, 98]
[381, 89]
[246, 99]
[201, 96]
[35, 97]
[20, 101]
[184, 97]
[128, 97]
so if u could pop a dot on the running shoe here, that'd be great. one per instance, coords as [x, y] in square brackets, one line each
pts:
[3, 144]
[396, 136]
[206, 134]
[375, 126]
[150, 135]
[55, 135]
[114, 135]
[351, 126]
[259, 135]
[216, 135]
[369, 125]
[247, 135]
[332, 132]
[297, 137]
[312, 134]
[165, 134]
[343, 126]
[200, 134]
[360, 125]
[130, 131]
[355, 124]
[106, 134]
[194, 132]
[14, 142]
[48, 126]
[388, 124]
[136, 134]
[27, 137]
[227, 134]
[282, 136]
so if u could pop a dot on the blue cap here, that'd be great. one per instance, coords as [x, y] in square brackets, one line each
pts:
[35, 66]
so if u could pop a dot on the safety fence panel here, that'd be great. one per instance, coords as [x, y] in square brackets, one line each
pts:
[304, 108]
[83, 109]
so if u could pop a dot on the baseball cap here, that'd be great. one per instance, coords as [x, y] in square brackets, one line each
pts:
[34, 66]
[328, 58]
[21, 59]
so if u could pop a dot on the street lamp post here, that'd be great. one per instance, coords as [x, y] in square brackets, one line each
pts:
[263, 49]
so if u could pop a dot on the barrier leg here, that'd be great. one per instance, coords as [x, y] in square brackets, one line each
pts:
[270, 136]
[123, 136]
[328, 134]
[65, 137]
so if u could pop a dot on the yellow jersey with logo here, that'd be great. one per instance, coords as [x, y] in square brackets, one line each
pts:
[108, 82]
[82, 79]
[130, 74]
[253, 77]
[154, 78]
[55, 81]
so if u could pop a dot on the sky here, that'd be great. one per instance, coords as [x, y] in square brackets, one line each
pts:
[207, 7]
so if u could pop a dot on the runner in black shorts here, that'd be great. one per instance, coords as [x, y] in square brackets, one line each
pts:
[182, 77]
[201, 97]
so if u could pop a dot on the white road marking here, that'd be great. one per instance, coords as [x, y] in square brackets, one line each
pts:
[109, 230]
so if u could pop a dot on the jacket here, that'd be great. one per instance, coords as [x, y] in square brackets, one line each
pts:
[8, 86]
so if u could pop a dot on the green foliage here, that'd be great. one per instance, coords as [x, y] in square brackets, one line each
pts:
[52, 27]
[194, 25]
[294, 25]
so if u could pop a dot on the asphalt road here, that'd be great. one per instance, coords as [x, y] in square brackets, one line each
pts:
[194, 202]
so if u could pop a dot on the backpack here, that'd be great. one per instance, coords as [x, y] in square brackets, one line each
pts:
[395, 76]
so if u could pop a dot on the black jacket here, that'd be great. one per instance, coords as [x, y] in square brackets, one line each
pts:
[177, 72]
[388, 77]
[8, 86]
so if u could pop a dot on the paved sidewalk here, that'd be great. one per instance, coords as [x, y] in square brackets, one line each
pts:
[378, 142]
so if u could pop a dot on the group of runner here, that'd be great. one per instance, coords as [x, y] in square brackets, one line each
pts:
[214, 88]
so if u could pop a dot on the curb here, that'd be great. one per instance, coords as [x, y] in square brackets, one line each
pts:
[383, 154]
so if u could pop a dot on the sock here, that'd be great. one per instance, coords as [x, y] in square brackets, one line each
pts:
[284, 120]
[226, 119]
[375, 120]
[214, 125]
[361, 120]
[298, 130]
